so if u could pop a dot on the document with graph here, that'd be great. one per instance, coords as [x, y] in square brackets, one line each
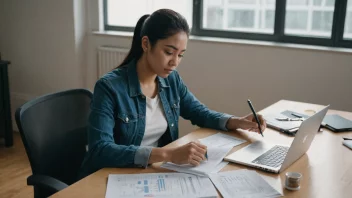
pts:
[159, 185]
[243, 184]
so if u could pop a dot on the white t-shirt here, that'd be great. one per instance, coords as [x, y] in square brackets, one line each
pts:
[156, 123]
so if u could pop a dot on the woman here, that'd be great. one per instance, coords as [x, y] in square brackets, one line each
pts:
[136, 107]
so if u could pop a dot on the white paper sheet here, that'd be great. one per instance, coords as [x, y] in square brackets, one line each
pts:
[215, 156]
[220, 139]
[218, 145]
[243, 184]
[159, 185]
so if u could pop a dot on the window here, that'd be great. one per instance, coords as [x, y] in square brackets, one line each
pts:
[348, 21]
[239, 15]
[309, 17]
[314, 22]
[121, 13]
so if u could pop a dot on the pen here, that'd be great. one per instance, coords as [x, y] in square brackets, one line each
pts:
[347, 138]
[298, 116]
[255, 116]
[206, 155]
[289, 119]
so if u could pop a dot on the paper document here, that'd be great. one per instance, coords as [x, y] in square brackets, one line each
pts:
[215, 157]
[220, 139]
[159, 185]
[218, 146]
[242, 183]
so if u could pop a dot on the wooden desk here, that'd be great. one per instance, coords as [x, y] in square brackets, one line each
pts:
[326, 167]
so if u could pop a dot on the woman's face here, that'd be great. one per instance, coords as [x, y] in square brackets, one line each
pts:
[166, 54]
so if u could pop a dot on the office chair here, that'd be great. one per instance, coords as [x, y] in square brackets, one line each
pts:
[53, 131]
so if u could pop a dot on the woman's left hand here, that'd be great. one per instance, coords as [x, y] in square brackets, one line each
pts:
[247, 123]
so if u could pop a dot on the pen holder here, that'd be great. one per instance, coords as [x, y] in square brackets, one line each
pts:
[293, 180]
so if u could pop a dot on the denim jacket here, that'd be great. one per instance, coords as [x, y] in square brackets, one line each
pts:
[117, 120]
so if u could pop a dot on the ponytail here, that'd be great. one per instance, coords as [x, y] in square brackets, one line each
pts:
[161, 24]
[136, 48]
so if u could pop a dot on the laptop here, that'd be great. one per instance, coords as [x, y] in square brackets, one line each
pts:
[274, 157]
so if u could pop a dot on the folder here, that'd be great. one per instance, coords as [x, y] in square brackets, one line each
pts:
[337, 123]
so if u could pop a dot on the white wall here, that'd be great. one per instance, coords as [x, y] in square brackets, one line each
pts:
[45, 42]
[80, 8]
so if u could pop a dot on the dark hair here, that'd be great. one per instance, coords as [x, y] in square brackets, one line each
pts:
[159, 25]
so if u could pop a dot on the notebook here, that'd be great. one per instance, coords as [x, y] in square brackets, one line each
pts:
[287, 127]
[337, 123]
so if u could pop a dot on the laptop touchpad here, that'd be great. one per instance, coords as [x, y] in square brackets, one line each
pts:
[253, 150]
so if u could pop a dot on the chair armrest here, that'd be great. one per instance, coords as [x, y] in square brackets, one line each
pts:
[46, 182]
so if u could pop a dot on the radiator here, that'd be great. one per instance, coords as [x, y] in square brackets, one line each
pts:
[109, 58]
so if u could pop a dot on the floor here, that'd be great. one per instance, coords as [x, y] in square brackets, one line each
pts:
[14, 170]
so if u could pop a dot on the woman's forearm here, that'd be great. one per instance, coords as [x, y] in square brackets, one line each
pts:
[160, 155]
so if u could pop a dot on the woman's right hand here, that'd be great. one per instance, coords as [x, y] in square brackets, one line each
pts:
[191, 153]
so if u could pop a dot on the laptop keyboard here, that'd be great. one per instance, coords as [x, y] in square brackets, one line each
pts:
[273, 157]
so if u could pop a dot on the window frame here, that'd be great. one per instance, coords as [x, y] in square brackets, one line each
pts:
[113, 27]
[336, 39]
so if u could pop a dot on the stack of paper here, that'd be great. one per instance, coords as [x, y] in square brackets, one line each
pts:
[242, 183]
[218, 146]
[159, 185]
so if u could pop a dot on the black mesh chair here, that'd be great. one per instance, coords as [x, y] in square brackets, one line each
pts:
[53, 131]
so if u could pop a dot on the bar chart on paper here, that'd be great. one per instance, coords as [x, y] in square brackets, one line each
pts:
[150, 186]
[158, 185]
[147, 186]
